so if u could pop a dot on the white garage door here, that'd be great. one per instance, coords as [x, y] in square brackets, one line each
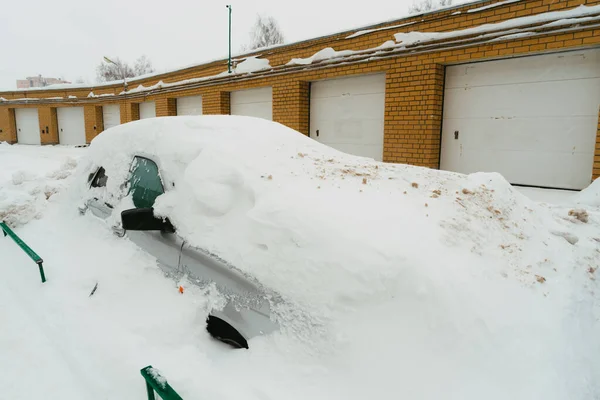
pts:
[253, 103]
[111, 115]
[28, 125]
[189, 105]
[71, 125]
[147, 109]
[347, 114]
[532, 119]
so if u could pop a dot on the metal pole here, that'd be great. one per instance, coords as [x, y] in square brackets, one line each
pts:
[229, 62]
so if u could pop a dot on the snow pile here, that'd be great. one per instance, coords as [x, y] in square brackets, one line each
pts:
[252, 64]
[25, 189]
[324, 54]
[590, 196]
[456, 260]
[406, 282]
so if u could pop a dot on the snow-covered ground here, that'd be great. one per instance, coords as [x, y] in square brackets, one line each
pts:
[491, 301]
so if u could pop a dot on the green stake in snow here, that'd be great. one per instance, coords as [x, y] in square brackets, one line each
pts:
[155, 382]
[32, 254]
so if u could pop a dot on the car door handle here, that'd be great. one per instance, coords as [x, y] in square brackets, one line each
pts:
[317, 133]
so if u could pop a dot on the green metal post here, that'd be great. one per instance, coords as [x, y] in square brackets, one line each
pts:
[150, 391]
[32, 254]
[42, 275]
[157, 383]
[229, 62]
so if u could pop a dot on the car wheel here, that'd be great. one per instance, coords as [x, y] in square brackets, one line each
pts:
[226, 333]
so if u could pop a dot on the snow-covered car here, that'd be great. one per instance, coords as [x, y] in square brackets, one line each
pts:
[286, 228]
[247, 309]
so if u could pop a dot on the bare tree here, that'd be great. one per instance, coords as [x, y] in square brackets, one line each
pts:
[421, 6]
[265, 32]
[106, 72]
[142, 66]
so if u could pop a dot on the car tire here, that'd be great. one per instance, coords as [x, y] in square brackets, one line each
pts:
[225, 333]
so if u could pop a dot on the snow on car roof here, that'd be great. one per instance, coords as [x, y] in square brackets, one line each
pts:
[321, 227]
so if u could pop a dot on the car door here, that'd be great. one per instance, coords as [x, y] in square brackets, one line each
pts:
[145, 185]
[97, 204]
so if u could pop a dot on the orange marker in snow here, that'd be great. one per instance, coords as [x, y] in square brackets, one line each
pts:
[181, 289]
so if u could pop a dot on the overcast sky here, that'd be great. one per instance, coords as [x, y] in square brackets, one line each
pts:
[67, 38]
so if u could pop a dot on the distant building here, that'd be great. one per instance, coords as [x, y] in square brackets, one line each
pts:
[37, 81]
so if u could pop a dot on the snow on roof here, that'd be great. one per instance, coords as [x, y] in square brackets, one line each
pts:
[284, 208]
[494, 5]
[412, 38]
[385, 28]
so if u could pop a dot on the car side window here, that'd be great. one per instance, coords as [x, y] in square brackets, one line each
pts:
[100, 178]
[144, 183]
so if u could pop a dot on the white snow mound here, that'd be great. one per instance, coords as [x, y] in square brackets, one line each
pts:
[590, 196]
[27, 186]
[301, 217]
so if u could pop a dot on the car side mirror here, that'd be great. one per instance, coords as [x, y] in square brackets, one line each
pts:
[143, 219]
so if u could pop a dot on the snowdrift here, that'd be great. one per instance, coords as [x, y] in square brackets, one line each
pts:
[399, 281]
[322, 227]
[26, 190]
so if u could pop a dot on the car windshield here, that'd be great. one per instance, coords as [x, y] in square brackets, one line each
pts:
[144, 183]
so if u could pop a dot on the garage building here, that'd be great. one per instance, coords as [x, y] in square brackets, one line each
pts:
[494, 86]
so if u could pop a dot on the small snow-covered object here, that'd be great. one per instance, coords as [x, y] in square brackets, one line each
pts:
[569, 237]
[579, 214]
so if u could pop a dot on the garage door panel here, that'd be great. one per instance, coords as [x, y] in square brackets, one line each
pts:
[28, 126]
[71, 126]
[371, 84]
[252, 95]
[537, 168]
[111, 115]
[550, 67]
[147, 109]
[361, 106]
[189, 105]
[350, 132]
[509, 101]
[348, 114]
[538, 133]
[254, 110]
[568, 134]
[362, 150]
[253, 103]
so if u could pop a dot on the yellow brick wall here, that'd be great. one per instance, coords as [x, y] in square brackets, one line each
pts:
[94, 121]
[8, 132]
[215, 102]
[291, 104]
[166, 106]
[48, 124]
